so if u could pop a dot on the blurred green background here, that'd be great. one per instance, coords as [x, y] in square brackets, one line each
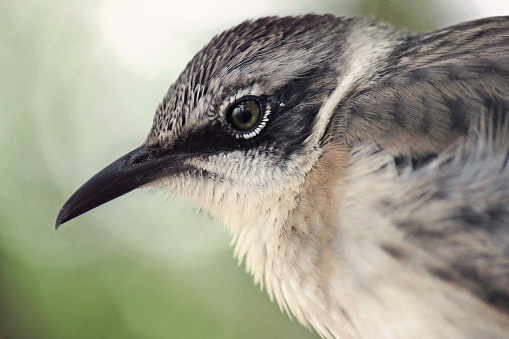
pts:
[79, 84]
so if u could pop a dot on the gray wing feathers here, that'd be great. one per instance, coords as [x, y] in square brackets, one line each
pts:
[446, 93]
[440, 84]
[460, 215]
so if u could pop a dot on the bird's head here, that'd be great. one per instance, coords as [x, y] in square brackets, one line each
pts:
[245, 122]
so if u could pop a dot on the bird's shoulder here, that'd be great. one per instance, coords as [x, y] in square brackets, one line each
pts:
[431, 89]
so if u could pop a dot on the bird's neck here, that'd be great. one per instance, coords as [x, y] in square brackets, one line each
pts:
[280, 245]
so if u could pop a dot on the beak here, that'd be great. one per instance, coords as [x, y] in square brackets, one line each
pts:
[131, 171]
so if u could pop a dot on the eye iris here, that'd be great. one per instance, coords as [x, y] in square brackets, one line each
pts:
[245, 115]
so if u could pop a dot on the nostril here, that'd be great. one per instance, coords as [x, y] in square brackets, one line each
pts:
[141, 158]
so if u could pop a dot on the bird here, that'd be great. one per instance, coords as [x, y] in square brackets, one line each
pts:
[361, 169]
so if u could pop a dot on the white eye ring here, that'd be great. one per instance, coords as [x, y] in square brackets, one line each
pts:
[230, 104]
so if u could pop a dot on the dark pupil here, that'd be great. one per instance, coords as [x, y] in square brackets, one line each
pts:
[245, 115]
[242, 114]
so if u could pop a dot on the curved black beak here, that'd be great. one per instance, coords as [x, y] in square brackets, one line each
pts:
[131, 171]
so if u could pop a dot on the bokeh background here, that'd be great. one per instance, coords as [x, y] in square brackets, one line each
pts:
[79, 82]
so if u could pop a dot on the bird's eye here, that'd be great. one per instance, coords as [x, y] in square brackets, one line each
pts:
[244, 115]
